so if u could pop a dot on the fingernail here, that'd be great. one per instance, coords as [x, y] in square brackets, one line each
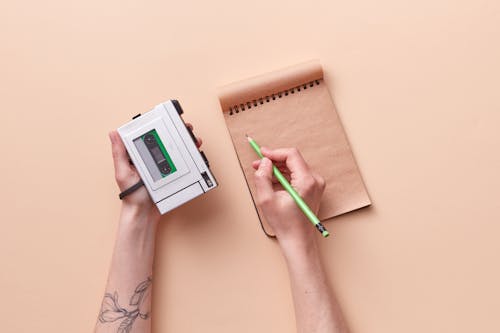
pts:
[264, 162]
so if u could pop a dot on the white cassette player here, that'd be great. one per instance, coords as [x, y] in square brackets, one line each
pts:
[164, 153]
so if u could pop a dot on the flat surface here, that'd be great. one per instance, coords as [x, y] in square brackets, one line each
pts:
[415, 84]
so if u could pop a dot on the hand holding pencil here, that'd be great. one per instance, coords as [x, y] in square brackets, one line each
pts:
[282, 212]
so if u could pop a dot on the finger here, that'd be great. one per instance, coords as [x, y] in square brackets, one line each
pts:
[190, 126]
[284, 171]
[120, 155]
[263, 181]
[281, 167]
[255, 164]
[291, 156]
[199, 142]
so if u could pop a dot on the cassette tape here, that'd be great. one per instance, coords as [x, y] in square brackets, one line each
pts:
[163, 150]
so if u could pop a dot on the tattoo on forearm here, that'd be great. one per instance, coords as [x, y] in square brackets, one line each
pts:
[111, 310]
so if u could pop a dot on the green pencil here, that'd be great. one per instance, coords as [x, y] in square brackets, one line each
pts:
[298, 200]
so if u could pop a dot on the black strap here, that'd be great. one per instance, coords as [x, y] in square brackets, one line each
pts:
[131, 189]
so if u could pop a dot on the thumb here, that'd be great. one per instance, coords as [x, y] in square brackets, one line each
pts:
[120, 155]
[263, 180]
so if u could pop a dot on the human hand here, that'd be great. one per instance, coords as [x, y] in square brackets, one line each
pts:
[126, 175]
[280, 210]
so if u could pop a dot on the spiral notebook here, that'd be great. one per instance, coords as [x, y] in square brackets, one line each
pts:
[292, 107]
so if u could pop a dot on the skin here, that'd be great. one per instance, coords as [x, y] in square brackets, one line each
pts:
[133, 254]
[316, 308]
[127, 302]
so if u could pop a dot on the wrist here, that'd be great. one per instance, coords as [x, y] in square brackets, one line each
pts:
[137, 231]
[137, 217]
[298, 235]
[299, 248]
[135, 238]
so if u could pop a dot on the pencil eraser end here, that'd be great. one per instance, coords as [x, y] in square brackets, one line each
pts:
[325, 233]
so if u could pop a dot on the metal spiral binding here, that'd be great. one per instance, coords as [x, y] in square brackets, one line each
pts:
[259, 101]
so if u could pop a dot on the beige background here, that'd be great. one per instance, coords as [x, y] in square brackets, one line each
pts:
[415, 83]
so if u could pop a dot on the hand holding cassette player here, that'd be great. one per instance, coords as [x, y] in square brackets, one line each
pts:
[165, 157]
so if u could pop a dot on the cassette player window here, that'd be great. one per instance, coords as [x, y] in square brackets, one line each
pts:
[154, 155]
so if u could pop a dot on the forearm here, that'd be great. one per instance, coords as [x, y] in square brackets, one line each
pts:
[316, 308]
[127, 300]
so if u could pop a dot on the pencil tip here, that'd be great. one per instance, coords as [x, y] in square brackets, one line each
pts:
[248, 138]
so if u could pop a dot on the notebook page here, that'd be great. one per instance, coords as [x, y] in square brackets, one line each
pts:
[293, 108]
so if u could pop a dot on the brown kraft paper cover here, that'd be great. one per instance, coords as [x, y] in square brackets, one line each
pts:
[293, 108]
